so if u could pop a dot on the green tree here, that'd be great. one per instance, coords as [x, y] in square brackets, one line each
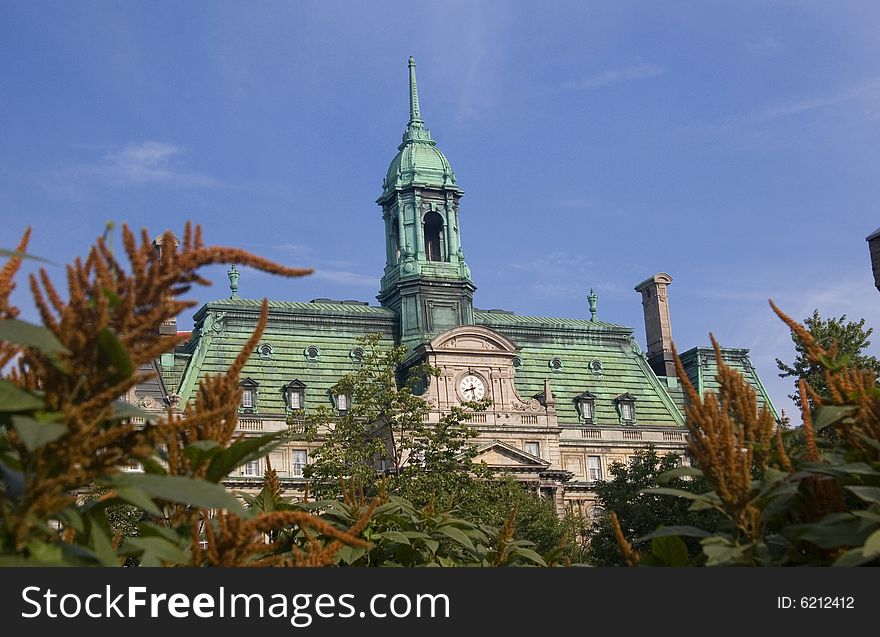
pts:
[386, 426]
[639, 512]
[850, 338]
[430, 465]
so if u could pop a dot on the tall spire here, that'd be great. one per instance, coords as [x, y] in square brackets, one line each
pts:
[415, 129]
[414, 115]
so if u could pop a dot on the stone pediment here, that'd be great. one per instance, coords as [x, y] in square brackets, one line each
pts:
[472, 338]
[504, 455]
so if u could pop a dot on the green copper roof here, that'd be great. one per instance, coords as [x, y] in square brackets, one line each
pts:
[702, 371]
[313, 343]
[581, 355]
[418, 161]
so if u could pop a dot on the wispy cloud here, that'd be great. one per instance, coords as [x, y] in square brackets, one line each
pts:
[763, 46]
[134, 164]
[343, 277]
[867, 89]
[148, 162]
[638, 71]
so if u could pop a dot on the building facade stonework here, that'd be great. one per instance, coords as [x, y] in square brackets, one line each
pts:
[569, 396]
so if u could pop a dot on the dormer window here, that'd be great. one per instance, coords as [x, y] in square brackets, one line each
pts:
[248, 395]
[586, 406]
[626, 407]
[295, 394]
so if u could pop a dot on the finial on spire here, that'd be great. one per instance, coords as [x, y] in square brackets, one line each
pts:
[233, 275]
[414, 115]
[594, 301]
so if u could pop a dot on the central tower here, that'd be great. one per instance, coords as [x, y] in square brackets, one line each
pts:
[426, 281]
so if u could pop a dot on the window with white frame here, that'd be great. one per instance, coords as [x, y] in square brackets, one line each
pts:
[626, 405]
[342, 403]
[586, 405]
[249, 395]
[594, 468]
[533, 448]
[251, 468]
[298, 460]
[296, 394]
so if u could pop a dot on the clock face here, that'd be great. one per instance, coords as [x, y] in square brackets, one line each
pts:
[472, 387]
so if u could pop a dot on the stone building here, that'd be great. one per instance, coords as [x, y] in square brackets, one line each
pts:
[569, 396]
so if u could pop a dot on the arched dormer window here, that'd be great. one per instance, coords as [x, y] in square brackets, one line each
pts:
[626, 407]
[249, 395]
[433, 236]
[295, 395]
[586, 406]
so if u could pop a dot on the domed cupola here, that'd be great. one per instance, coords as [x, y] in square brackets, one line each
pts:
[418, 162]
[427, 282]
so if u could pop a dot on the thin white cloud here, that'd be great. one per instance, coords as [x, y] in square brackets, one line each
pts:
[343, 277]
[638, 71]
[134, 164]
[866, 89]
[148, 162]
[763, 46]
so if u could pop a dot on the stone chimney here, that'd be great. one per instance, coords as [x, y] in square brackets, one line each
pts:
[874, 247]
[658, 328]
[169, 326]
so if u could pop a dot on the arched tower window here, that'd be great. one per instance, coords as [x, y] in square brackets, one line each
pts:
[395, 241]
[433, 236]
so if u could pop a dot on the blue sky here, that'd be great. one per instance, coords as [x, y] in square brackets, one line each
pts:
[734, 145]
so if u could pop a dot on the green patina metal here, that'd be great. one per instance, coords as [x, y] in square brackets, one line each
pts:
[578, 343]
[426, 282]
[702, 370]
[419, 162]
[426, 289]
[593, 299]
[233, 275]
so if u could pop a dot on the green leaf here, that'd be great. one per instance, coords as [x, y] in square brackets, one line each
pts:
[13, 481]
[114, 355]
[671, 549]
[138, 499]
[102, 546]
[853, 557]
[45, 553]
[835, 530]
[30, 335]
[432, 545]
[679, 472]
[871, 549]
[200, 451]
[868, 494]
[196, 493]
[153, 467]
[680, 531]
[155, 551]
[123, 409]
[242, 452]
[14, 399]
[720, 551]
[678, 493]
[530, 555]
[350, 554]
[394, 536]
[35, 434]
[457, 535]
[828, 415]
[17, 254]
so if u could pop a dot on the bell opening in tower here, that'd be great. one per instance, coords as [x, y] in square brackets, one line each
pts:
[433, 234]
